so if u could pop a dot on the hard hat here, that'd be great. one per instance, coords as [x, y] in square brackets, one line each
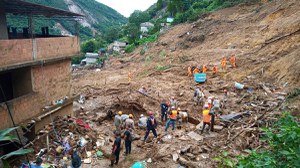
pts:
[117, 132]
[120, 112]
[167, 103]
[178, 109]
[206, 106]
[150, 113]
[173, 107]
[130, 116]
[142, 115]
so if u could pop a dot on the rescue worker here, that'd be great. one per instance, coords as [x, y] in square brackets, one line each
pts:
[76, 160]
[151, 125]
[215, 70]
[164, 110]
[233, 61]
[204, 69]
[118, 120]
[129, 77]
[38, 163]
[206, 117]
[214, 111]
[116, 148]
[129, 122]
[172, 119]
[190, 71]
[173, 102]
[198, 96]
[142, 122]
[128, 140]
[196, 70]
[124, 117]
[182, 118]
[223, 63]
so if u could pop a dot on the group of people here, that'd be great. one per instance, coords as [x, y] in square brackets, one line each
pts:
[205, 68]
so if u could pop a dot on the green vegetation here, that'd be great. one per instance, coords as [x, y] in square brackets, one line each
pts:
[283, 150]
[130, 48]
[93, 45]
[5, 136]
[162, 67]
[105, 18]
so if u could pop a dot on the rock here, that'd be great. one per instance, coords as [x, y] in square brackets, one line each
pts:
[183, 138]
[187, 163]
[186, 149]
[149, 160]
[205, 148]
[190, 155]
[175, 156]
[205, 156]
[87, 161]
[199, 126]
[218, 127]
[195, 136]
[181, 94]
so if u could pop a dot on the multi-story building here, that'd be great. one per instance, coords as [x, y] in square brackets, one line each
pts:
[35, 68]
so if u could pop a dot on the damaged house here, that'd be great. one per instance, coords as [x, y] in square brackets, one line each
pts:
[35, 67]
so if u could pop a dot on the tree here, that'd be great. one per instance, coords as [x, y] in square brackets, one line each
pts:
[132, 32]
[138, 17]
[159, 4]
[113, 34]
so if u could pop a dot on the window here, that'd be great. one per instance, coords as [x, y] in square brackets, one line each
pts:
[15, 83]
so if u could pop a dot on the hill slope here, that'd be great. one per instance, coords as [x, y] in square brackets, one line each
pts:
[99, 17]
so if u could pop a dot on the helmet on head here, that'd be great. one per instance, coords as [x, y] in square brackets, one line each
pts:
[142, 115]
[167, 103]
[130, 116]
[206, 106]
[150, 113]
[173, 107]
[120, 112]
[178, 108]
[116, 132]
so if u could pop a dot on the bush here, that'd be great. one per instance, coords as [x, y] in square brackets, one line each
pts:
[130, 48]
[162, 67]
[284, 142]
[149, 39]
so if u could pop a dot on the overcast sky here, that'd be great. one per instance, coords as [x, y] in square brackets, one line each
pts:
[126, 7]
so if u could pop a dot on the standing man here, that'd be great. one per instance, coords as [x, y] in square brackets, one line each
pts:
[215, 70]
[206, 117]
[128, 139]
[233, 61]
[204, 69]
[223, 63]
[196, 70]
[118, 120]
[116, 149]
[129, 122]
[198, 96]
[214, 112]
[164, 110]
[173, 102]
[151, 125]
[142, 122]
[190, 73]
[172, 119]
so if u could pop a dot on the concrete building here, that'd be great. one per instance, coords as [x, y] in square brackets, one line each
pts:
[145, 27]
[119, 46]
[35, 69]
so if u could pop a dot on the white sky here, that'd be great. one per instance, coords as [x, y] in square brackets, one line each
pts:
[126, 7]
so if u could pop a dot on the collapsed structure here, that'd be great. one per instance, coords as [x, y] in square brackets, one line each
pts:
[35, 67]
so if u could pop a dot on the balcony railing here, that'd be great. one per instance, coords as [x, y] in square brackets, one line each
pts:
[20, 51]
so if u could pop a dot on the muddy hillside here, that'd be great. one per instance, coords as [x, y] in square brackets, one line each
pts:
[264, 37]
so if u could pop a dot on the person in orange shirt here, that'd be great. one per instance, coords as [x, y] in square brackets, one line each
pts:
[196, 70]
[190, 71]
[215, 70]
[129, 77]
[233, 61]
[206, 117]
[223, 63]
[204, 69]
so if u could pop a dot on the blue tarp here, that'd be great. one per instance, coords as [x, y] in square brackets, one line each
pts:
[200, 77]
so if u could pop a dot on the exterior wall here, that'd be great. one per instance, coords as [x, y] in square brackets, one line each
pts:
[25, 50]
[50, 82]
